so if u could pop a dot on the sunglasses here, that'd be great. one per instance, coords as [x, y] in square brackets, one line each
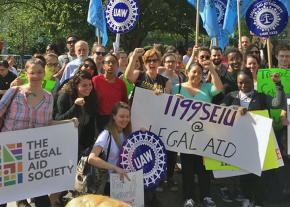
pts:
[152, 60]
[110, 61]
[71, 42]
[205, 57]
[100, 53]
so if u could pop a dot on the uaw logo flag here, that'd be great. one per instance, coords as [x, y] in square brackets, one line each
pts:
[145, 150]
[11, 166]
[267, 18]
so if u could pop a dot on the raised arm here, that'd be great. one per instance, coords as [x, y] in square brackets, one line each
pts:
[131, 74]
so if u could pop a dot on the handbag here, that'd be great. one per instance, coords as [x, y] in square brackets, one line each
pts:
[90, 179]
[4, 114]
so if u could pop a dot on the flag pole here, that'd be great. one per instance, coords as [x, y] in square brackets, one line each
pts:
[269, 53]
[197, 23]
[99, 36]
[239, 22]
[217, 41]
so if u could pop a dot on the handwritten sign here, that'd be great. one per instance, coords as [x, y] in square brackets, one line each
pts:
[288, 128]
[131, 192]
[266, 85]
[236, 172]
[37, 161]
[195, 127]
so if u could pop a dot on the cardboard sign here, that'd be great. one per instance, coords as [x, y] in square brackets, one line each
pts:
[131, 192]
[196, 127]
[266, 85]
[39, 161]
[231, 173]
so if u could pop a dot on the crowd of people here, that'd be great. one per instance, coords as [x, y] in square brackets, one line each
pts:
[98, 90]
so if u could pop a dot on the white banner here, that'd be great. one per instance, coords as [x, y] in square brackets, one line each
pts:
[131, 192]
[288, 127]
[196, 127]
[37, 161]
[232, 173]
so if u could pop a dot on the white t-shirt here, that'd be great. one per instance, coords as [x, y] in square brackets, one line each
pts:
[103, 141]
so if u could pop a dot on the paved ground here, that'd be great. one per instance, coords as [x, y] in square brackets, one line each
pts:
[174, 199]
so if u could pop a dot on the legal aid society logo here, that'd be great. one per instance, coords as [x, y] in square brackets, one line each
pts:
[11, 165]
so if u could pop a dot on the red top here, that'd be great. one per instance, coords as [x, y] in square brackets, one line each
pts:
[108, 93]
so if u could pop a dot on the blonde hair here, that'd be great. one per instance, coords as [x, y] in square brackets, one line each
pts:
[91, 200]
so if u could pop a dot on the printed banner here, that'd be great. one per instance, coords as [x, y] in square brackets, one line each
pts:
[131, 192]
[195, 127]
[231, 173]
[288, 128]
[266, 85]
[37, 161]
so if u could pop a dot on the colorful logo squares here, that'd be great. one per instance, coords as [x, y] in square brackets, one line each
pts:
[11, 167]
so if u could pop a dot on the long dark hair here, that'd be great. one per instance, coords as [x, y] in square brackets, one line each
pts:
[71, 88]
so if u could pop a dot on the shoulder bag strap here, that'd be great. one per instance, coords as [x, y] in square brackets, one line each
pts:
[109, 146]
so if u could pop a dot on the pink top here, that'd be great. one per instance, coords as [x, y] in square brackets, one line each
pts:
[20, 115]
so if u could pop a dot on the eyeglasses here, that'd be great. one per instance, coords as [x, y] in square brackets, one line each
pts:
[71, 42]
[206, 57]
[110, 61]
[100, 53]
[152, 60]
[87, 65]
[255, 51]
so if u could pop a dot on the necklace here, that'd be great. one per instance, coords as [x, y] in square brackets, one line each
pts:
[31, 94]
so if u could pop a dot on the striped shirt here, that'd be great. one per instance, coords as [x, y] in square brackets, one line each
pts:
[20, 115]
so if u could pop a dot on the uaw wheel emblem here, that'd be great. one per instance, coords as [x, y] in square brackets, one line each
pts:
[121, 15]
[267, 18]
[220, 6]
[145, 150]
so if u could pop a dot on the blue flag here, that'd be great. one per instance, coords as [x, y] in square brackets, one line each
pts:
[208, 15]
[96, 17]
[231, 15]
[287, 5]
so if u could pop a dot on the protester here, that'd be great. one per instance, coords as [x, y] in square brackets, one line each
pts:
[109, 90]
[95, 201]
[123, 62]
[11, 61]
[149, 79]
[245, 43]
[82, 52]
[110, 141]
[51, 48]
[187, 56]
[33, 108]
[180, 68]
[217, 59]
[77, 99]
[250, 99]
[6, 77]
[70, 55]
[283, 56]
[196, 89]
[253, 49]
[252, 63]
[98, 53]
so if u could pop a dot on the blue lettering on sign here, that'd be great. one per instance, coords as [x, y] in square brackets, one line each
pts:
[120, 12]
